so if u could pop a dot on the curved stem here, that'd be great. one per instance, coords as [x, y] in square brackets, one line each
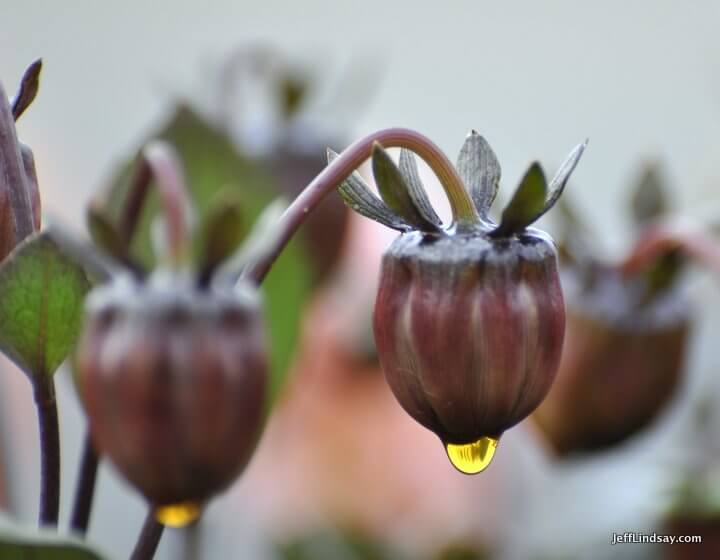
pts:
[349, 160]
[159, 161]
[149, 538]
[85, 489]
[49, 452]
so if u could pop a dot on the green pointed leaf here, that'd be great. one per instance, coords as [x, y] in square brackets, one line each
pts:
[395, 191]
[416, 190]
[41, 301]
[107, 237]
[19, 543]
[220, 234]
[358, 197]
[526, 204]
[649, 199]
[479, 169]
[212, 164]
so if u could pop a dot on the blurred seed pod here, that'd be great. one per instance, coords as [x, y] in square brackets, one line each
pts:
[173, 383]
[622, 361]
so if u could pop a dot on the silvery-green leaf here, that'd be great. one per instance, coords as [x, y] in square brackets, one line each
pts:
[409, 170]
[526, 204]
[557, 185]
[357, 196]
[649, 200]
[479, 169]
[394, 190]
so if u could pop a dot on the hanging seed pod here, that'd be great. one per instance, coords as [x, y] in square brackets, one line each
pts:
[627, 333]
[622, 363]
[173, 382]
[172, 369]
[469, 318]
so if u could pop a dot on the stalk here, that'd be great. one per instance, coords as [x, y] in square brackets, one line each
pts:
[461, 204]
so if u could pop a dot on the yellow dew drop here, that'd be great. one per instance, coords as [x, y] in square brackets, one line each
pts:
[472, 458]
[178, 515]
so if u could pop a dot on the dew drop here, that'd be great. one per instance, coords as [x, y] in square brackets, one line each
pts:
[472, 458]
[178, 515]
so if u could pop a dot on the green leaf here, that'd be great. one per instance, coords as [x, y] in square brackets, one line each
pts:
[416, 190]
[41, 304]
[395, 191]
[526, 204]
[18, 543]
[649, 199]
[106, 236]
[212, 164]
[479, 169]
[220, 234]
[358, 197]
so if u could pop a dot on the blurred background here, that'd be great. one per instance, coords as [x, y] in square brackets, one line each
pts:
[342, 471]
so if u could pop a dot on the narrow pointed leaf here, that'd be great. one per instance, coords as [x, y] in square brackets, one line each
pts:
[394, 190]
[28, 89]
[416, 190]
[41, 300]
[526, 204]
[358, 197]
[649, 199]
[107, 237]
[221, 232]
[557, 185]
[479, 169]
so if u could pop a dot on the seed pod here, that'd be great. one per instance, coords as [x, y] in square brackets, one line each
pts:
[622, 362]
[469, 331]
[469, 319]
[173, 381]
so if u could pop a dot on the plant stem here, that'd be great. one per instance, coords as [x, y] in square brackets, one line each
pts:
[460, 202]
[49, 452]
[159, 161]
[85, 489]
[149, 538]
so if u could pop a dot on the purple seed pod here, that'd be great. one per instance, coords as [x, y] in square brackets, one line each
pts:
[469, 318]
[173, 382]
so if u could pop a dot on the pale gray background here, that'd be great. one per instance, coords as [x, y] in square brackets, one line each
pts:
[638, 78]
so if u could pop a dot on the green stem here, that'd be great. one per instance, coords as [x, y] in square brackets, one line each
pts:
[49, 452]
[461, 204]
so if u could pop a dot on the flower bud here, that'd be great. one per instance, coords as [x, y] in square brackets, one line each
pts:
[469, 319]
[173, 380]
[19, 194]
